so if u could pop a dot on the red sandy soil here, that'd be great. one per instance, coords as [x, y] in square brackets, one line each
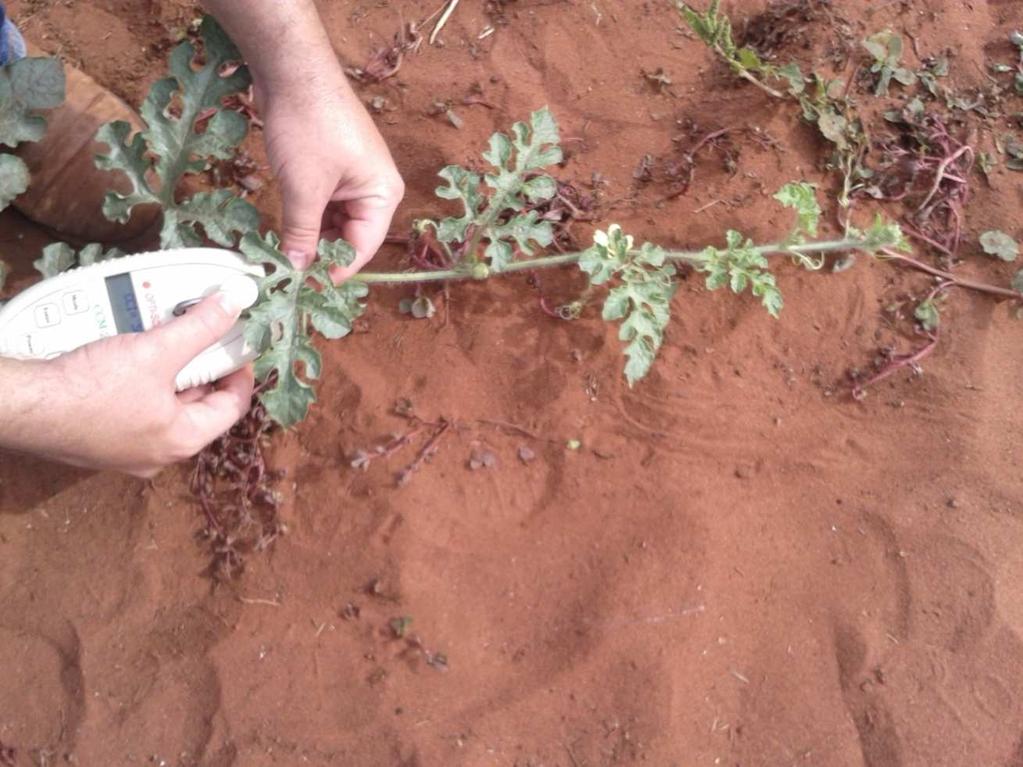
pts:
[741, 566]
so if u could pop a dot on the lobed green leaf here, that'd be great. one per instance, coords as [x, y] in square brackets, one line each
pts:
[641, 299]
[495, 219]
[186, 127]
[291, 302]
[13, 179]
[59, 257]
[802, 198]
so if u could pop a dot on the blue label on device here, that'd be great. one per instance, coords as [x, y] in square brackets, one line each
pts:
[124, 304]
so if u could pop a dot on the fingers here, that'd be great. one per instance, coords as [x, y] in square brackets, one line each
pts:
[182, 339]
[366, 229]
[303, 215]
[195, 394]
[211, 416]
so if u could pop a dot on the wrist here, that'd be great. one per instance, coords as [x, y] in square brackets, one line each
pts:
[27, 404]
[319, 83]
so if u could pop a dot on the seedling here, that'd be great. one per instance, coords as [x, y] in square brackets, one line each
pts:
[886, 49]
[934, 69]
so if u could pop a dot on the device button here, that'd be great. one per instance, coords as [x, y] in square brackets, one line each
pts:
[75, 302]
[47, 315]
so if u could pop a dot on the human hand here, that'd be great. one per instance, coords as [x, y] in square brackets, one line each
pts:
[336, 174]
[112, 404]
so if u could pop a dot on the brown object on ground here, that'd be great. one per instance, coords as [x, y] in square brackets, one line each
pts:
[740, 566]
[67, 189]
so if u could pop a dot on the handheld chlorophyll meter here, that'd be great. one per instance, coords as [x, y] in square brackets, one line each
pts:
[131, 295]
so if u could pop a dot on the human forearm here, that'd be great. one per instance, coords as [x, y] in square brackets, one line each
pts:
[24, 419]
[283, 42]
[332, 165]
[84, 410]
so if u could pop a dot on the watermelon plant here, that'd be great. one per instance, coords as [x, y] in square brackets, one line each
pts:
[497, 231]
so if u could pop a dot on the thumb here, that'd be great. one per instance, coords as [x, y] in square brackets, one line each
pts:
[303, 221]
[182, 339]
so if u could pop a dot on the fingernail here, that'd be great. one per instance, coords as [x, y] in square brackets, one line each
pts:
[238, 294]
[299, 259]
[229, 302]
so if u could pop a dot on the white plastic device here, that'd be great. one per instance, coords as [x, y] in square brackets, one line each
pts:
[131, 295]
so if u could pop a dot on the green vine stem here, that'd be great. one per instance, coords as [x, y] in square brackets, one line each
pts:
[482, 272]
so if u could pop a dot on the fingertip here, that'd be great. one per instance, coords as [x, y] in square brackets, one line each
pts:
[194, 394]
[214, 414]
[340, 274]
[300, 257]
[241, 385]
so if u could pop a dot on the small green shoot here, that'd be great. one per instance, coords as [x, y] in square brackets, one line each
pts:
[183, 141]
[714, 28]
[933, 70]
[802, 198]
[838, 123]
[928, 314]
[400, 626]
[886, 50]
[1000, 245]
[27, 86]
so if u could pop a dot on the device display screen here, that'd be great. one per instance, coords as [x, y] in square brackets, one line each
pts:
[127, 316]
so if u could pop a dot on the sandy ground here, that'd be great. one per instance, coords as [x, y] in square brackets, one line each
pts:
[742, 566]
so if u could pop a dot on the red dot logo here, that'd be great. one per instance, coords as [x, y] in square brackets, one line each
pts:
[147, 285]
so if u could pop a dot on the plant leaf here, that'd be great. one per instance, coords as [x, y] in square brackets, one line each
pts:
[186, 127]
[464, 186]
[26, 86]
[802, 198]
[739, 266]
[641, 299]
[13, 179]
[515, 182]
[222, 216]
[928, 315]
[59, 257]
[1000, 245]
[292, 301]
